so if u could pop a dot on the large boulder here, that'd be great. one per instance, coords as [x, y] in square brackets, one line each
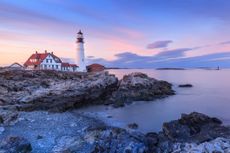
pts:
[194, 132]
[140, 87]
[14, 144]
[195, 127]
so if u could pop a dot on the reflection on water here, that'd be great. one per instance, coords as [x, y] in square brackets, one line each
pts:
[210, 95]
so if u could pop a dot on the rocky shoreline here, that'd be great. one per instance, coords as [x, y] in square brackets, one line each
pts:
[60, 91]
[71, 132]
[37, 115]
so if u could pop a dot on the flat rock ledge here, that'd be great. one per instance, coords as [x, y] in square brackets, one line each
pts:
[59, 91]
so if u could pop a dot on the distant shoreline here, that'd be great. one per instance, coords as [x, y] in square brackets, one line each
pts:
[164, 68]
[202, 68]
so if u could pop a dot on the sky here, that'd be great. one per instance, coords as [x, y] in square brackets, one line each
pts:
[119, 33]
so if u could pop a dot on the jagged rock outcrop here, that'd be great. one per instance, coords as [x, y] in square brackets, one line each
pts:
[102, 139]
[54, 91]
[59, 91]
[194, 128]
[8, 117]
[218, 145]
[111, 139]
[140, 87]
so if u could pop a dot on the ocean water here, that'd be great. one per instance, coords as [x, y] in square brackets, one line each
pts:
[210, 95]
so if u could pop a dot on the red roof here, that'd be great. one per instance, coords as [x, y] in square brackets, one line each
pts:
[95, 67]
[68, 65]
[73, 65]
[39, 57]
[65, 64]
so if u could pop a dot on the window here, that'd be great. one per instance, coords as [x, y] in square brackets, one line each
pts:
[56, 66]
[51, 61]
[45, 66]
[52, 66]
[47, 61]
[33, 60]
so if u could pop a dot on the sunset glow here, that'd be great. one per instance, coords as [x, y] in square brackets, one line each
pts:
[114, 27]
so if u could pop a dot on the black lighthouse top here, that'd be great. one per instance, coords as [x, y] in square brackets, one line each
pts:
[80, 38]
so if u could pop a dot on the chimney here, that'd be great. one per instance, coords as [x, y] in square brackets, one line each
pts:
[36, 56]
[52, 53]
[45, 51]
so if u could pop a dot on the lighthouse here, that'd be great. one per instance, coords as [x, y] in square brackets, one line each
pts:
[80, 52]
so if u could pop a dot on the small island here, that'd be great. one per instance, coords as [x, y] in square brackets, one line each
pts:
[185, 85]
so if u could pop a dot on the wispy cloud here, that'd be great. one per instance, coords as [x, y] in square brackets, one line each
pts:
[159, 44]
[131, 60]
[173, 53]
[225, 43]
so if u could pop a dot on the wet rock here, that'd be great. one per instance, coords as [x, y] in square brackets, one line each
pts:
[195, 127]
[13, 144]
[1, 119]
[39, 137]
[140, 87]
[185, 85]
[133, 125]
[71, 144]
[118, 104]
[102, 139]
[152, 141]
[109, 116]
[8, 117]
[111, 139]
[218, 145]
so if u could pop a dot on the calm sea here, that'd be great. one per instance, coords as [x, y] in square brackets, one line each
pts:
[210, 95]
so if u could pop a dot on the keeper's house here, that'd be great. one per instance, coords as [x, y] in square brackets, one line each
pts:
[48, 61]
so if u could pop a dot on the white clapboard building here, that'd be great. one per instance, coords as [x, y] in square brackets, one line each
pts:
[48, 61]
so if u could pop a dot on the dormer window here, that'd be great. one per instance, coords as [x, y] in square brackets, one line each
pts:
[33, 60]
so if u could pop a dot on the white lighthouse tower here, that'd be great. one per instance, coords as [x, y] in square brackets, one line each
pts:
[80, 52]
